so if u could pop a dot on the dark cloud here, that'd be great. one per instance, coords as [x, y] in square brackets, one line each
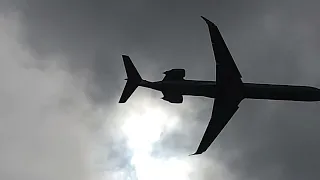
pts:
[272, 42]
[45, 116]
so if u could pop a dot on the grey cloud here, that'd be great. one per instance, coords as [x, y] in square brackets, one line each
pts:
[41, 138]
[272, 42]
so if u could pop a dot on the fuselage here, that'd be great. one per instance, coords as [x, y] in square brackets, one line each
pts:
[251, 90]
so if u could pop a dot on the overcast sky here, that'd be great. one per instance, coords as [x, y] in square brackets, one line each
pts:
[62, 76]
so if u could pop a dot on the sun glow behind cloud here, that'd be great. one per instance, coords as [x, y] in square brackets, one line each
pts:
[143, 127]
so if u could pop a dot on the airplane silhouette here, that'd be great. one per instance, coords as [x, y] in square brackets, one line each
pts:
[228, 89]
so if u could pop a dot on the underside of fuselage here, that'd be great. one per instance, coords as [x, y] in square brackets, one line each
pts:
[184, 87]
[251, 90]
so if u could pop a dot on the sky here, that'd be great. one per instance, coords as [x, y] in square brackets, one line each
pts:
[62, 76]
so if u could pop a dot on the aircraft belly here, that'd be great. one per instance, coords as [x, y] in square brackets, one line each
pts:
[282, 92]
[203, 90]
[199, 91]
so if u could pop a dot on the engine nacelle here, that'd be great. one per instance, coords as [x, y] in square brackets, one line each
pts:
[172, 98]
[176, 73]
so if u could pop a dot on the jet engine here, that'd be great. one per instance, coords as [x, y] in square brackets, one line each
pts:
[175, 73]
[173, 98]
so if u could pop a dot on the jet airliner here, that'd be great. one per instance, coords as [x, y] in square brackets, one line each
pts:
[228, 90]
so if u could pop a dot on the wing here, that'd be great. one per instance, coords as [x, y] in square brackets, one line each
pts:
[223, 109]
[226, 68]
[229, 89]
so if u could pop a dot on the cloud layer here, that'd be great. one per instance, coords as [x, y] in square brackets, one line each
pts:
[272, 42]
[45, 116]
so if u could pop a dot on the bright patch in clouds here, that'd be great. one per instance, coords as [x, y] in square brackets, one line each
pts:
[144, 126]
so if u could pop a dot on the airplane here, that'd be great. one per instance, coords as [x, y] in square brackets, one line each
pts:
[228, 90]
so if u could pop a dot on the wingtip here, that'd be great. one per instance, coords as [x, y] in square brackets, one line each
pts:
[124, 57]
[208, 21]
[196, 153]
[122, 101]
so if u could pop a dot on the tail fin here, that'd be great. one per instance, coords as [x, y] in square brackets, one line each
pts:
[133, 79]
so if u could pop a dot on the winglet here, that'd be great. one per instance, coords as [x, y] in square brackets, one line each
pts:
[193, 154]
[204, 18]
[196, 153]
[208, 21]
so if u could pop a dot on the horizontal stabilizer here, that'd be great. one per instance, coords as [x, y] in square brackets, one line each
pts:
[133, 79]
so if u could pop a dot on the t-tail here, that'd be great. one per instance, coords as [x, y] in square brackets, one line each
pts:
[133, 79]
